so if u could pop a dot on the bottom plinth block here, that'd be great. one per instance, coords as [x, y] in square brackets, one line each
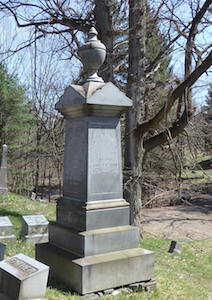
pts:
[98, 272]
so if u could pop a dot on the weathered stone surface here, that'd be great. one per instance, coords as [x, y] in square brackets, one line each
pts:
[22, 278]
[2, 251]
[116, 292]
[92, 161]
[6, 229]
[143, 286]
[94, 242]
[98, 272]
[35, 228]
[100, 99]
[82, 251]
[108, 291]
[79, 216]
[3, 170]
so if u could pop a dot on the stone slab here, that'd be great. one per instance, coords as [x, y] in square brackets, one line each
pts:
[104, 171]
[98, 272]
[35, 228]
[94, 242]
[2, 251]
[23, 278]
[6, 229]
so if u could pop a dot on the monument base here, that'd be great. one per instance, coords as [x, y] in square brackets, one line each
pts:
[98, 272]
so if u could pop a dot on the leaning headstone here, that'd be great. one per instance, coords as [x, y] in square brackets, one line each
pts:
[6, 229]
[2, 251]
[175, 247]
[23, 278]
[92, 246]
[35, 228]
[3, 170]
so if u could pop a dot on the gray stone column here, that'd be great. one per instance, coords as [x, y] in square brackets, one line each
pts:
[3, 170]
[91, 245]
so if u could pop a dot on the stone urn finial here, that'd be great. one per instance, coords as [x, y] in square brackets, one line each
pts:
[92, 55]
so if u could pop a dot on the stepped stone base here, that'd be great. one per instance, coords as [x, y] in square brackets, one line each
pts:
[98, 272]
[92, 242]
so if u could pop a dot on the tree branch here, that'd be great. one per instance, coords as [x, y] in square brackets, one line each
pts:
[173, 131]
[177, 93]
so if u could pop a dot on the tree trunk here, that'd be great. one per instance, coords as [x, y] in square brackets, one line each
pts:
[104, 26]
[134, 151]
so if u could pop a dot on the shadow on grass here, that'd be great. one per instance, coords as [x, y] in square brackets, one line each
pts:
[4, 212]
[54, 283]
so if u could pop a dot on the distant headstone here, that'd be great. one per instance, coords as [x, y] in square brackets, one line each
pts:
[6, 229]
[3, 170]
[22, 278]
[2, 250]
[175, 247]
[35, 228]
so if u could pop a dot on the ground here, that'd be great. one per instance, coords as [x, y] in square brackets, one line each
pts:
[191, 221]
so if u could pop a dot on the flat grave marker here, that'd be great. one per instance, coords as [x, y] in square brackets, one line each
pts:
[6, 229]
[22, 278]
[35, 228]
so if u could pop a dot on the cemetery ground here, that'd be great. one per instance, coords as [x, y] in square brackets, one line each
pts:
[183, 276]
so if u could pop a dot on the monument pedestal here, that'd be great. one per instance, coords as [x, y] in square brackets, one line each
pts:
[91, 245]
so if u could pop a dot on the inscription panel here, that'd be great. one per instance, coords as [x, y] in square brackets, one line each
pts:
[104, 159]
[23, 269]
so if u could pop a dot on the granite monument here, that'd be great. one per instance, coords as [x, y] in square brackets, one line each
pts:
[92, 247]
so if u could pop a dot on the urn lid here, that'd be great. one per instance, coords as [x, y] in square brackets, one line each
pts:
[92, 55]
[92, 41]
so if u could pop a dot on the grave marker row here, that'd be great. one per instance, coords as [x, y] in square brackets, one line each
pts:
[34, 228]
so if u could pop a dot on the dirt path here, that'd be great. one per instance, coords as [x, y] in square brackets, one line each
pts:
[183, 222]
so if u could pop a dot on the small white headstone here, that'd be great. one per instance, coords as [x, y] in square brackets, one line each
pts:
[6, 229]
[22, 278]
[35, 228]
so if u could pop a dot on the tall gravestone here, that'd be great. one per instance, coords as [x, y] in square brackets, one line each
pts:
[91, 245]
[3, 170]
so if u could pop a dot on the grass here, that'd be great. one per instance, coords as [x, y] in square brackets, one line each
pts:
[185, 276]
